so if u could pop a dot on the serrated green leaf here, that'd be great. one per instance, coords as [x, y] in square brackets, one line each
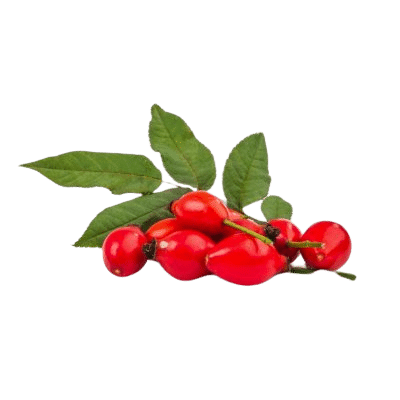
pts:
[186, 159]
[120, 173]
[142, 211]
[275, 207]
[246, 178]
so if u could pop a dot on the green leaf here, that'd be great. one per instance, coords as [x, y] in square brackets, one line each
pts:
[143, 211]
[246, 178]
[186, 159]
[120, 173]
[275, 207]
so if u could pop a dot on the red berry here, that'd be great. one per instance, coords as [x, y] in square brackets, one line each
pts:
[287, 232]
[182, 254]
[247, 223]
[201, 211]
[244, 260]
[122, 251]
[336, 246]
[233, 214]
[162, 228]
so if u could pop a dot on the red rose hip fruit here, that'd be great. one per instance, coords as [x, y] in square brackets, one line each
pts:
[287, 232]
[336, 246]
[201, 211]
[244, 260]
[182, 254]
[233, 214]
[122, 251]
[162, 228]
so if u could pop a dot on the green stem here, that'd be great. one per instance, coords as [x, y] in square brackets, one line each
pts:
[302, 270]
[304, 245]
[346, 275]
[264, 239]
[254, 219]
[169, 183]
[299, 245]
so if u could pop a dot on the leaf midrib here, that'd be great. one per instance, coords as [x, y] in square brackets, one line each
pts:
[130, 221]
[93, 172]
[247, 175]
[180, 151]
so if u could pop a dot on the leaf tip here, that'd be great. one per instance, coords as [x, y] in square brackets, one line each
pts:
[75, 245]
[25, 165]
[78, 245]
[155, 107]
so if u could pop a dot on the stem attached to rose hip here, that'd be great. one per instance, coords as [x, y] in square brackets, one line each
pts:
[248, 231]
[305, 270]
[306, 244]
[299, 245]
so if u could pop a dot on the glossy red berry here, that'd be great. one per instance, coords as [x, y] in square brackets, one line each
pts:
[244, 260]
[201, 211]
[162, 228]
[182, 254]
[233, 214]
[287, 232]
[336, 246]
[122, 251]
[247, 223]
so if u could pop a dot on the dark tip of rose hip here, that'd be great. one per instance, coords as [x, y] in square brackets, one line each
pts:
[271, 232]
[149, 249]
[170, 207]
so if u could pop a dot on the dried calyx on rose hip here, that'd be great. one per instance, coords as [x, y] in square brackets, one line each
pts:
[282, 231]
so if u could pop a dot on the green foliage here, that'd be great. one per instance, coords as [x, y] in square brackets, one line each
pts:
[246, 178]
[186, 159]
[275, 207]
[143, 211]
[120, 173]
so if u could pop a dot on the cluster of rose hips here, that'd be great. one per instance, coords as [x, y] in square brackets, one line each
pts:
[205, 237]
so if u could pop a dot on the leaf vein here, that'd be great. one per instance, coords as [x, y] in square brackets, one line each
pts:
[180, 151]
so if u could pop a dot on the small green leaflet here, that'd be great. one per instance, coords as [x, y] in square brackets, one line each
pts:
[246, 178]
[143, 211]
[186, 159]
[275, 207]
[120, 173]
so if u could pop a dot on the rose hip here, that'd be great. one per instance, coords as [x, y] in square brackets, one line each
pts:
[201, 211]
[287, 232]
[162, 228]
[336, 246]
[182, 254]
[122, 251]
[244, 260]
